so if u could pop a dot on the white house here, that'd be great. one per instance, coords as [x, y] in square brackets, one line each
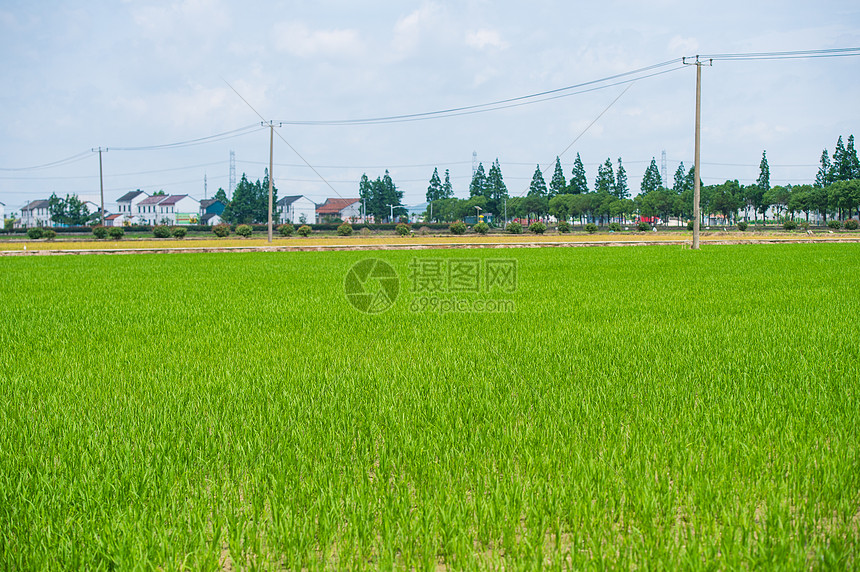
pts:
[293, 208]
[127, 206]
[210, 219]
[179, 209]
[35, 213]
[343, 209]
[147, 210]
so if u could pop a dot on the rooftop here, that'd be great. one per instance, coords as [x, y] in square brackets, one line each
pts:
[334, 206]
[130, 196]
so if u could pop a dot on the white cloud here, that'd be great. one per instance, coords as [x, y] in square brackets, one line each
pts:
[485, 38]
[679, 46]
[408, 30]
[299, 40]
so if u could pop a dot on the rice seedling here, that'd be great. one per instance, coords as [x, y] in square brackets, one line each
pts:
[640, 407]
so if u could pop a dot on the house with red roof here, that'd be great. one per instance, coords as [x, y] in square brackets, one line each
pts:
[343, 209]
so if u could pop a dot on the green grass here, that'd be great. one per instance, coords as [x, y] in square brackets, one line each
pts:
[648, 407]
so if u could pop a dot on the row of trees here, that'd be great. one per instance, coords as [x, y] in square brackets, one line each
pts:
[250, 202]
[70, 211]
[834, 193]
[381, 197]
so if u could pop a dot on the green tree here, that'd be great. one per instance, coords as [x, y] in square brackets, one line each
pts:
[562, 206]
[841, 170]
[70, 211]
[651, 180]
[221, 195]
[754, 199]
[447, 188]
[778, 198]
[242, 207]
[578, 182]
[478, 186]
[763, 181]
[434, 190]
[605, 181]
[852, 162]
[825, 171]
[726, 199]
[557, 184]
[622, 191]
[537, 188]
[681, 180]
[496, 191]
[365, 193]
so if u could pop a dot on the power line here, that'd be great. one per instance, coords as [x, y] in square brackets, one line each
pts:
[199, 141]
[61, 162]
[796, 54]
[497, 105]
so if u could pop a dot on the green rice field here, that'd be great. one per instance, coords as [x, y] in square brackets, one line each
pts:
[631, 408]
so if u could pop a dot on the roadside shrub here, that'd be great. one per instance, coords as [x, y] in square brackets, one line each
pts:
[221, 230]
[344, 229]
[244, 230]
[100, 232]
[365, 231]
[481, 228]
[304, 230]
[563, 226]
[160, 231]
[742, 226]
[424, 230]
[457, 227]
[286, 229]
[834, 224]
[690, 225]
[116, 232]
[615, 226]
[537, 227]
[804, 225]
[179, 232]
[35, 233]
[591, 228]
[643, 226]
[49, 234]
[851, 224]
[401, 229]
[789, 225]
[515, 228]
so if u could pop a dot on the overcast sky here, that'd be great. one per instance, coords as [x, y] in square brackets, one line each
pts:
[127, 74]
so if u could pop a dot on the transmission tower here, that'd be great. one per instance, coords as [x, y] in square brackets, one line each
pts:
[474, 163]
[663, 172]
[232, 172]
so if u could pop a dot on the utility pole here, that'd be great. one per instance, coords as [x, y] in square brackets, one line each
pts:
[506, 212]
[391, 218]
[271, 173]
[696, 184]
[101, 183]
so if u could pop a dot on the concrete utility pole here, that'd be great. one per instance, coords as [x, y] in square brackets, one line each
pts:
[391, 218]
[696, 185]
[271, 173]
[101, 184]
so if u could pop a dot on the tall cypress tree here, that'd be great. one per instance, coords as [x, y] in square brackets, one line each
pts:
[496, 191]
[478, 186]
[557, 185]
[825, 171]
[537, 188]
[763, 181]
[578, 181]
[651, 180]
[365, 193]
[851, 159]
[605, 181]
[680, 184]
[447, 188]
[434, 190]
[622, 191]
[840, 170]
